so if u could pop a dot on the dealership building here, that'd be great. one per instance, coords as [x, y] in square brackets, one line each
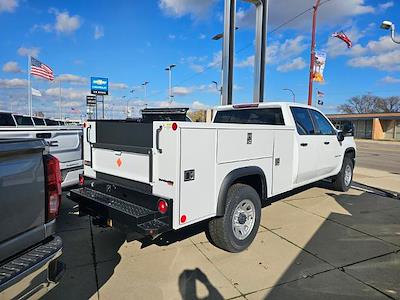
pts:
[376, 126]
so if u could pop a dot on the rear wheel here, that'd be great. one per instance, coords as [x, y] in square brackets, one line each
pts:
[343, 180]
[236, 230]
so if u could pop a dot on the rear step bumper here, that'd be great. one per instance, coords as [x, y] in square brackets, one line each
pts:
[33, 273]
[113, 211]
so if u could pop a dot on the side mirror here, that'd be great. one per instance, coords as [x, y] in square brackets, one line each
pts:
[340, 136]
[348, 129]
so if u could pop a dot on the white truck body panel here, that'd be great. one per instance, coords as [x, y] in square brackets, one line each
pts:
[64, 143]
[214, 150]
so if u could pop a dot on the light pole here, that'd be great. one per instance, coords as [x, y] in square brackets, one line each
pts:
[312, 60]
[144, 84]
[294, 95]
[388, 25]
[169, 69]
[219, 89]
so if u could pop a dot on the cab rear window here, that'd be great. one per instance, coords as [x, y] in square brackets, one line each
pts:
[23, 120]
[39, 122]
[265, 116]
[6, 120]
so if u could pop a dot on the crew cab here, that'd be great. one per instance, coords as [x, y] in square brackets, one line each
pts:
[65, 141]
[30, 195]
[161, 176]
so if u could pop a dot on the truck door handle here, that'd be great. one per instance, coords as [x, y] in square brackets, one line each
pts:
[88, 134]
[43, 135]
[326, 143]
[158, 139]
[304, 144]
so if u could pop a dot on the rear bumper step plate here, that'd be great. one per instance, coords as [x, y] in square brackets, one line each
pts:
[121, 212]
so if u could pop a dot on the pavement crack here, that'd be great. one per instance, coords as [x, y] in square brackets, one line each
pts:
[94, 258]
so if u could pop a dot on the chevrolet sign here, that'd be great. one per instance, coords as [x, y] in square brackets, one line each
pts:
[99, 86]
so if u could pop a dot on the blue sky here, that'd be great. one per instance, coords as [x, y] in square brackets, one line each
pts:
[133, 41]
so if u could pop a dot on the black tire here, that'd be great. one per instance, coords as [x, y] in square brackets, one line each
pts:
[339, 182]
[220, 229]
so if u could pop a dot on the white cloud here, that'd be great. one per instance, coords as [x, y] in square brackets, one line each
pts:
[386, 5]
[202, 36]
[390, 80]
[296, 64]
[11, 67]
[67, 93]
[217, 60]
[382, 54]
[71, 78]
[197, 68]
[98, 32]
[198, 105]
[44, 27]
[248, 62]
[182, 91]
[179, 8]
[172, 36]
[8, 5]
[388, 61]
[65, 23]
[14, 83]
[329, 13]
[118, 86]
[28, 51]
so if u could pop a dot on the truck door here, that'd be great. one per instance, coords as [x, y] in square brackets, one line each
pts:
[306, 147]
[329, 156]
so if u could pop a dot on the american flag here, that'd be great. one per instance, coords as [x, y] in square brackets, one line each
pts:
[40, 69]
[342, 36]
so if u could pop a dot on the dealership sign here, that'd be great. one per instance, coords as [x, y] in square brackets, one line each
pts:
[91, 100]
[99, 85]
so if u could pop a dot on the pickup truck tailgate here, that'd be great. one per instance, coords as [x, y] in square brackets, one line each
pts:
[22, 187]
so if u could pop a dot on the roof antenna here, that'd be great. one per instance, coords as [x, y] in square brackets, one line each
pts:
[228, 52]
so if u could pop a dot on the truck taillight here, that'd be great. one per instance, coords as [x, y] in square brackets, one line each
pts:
[53, 187]
[81, 180]
[162, 206]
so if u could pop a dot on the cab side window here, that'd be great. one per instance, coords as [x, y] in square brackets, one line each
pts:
[324, 127]
[303, 121]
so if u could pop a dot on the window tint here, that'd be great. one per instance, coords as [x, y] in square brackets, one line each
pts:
[39, 121]
[22, 120]
[266, 116]
[324, 127]
[6, 120]
[303, 121]
[51, 122]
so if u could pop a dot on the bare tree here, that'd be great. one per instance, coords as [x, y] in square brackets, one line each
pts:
[370, 104]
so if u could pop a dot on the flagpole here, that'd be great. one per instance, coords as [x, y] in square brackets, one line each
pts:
[29, 86]
[59, 99]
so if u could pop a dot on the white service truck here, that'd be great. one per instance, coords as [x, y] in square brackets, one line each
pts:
[155, 177]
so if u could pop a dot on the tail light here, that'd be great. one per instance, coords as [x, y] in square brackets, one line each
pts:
[162, 206]
[81, 180]
[53, 187]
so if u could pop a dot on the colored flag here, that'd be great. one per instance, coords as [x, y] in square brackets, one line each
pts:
[319, 66]
[36, 93]
[342, 36]
[320, 94]
[40, 69]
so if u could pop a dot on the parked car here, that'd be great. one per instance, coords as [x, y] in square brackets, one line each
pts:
[161, 176]
[65, 141]
[30, 195]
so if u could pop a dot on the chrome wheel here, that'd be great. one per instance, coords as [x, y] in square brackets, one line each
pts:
[348, 174]
[243, 219]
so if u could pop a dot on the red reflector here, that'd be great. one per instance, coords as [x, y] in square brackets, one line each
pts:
[183, 218]
[53, 181]
[162, 206]
[174, 126]
[81, 180]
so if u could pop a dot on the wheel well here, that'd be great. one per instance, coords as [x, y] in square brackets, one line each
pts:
[254, 181]
[252, 176]
[351, 152]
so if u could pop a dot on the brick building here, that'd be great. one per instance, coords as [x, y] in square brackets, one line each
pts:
[376, 126]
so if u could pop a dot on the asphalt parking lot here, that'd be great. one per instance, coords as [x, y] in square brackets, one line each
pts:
[312, 244]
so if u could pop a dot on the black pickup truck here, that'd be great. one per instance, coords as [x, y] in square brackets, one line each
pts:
[30, 197]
